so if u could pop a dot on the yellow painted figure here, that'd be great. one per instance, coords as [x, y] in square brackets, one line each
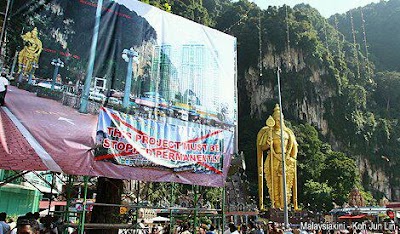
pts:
[269, 139]
[31, 51]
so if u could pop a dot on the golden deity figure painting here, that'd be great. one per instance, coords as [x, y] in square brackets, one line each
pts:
[269, 139]
[31, 51]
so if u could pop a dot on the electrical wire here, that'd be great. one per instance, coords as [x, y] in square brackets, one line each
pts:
[288, 38]
[260, 44]
[355, 47]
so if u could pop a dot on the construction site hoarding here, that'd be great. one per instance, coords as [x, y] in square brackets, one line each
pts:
[159, 106]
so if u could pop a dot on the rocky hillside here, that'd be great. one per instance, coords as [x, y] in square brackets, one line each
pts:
[379, 21]
[327, 82]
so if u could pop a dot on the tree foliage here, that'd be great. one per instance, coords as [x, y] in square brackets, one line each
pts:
[387, 94]
[382, 31]
[324, 176]
[341, 173]
[319, 196]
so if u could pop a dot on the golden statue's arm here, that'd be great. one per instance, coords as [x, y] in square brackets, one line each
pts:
[294, 150]
[40, 48]
[264, 140]
[293, 156]
[261, 146]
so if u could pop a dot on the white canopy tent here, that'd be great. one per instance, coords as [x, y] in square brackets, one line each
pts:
[160, 219]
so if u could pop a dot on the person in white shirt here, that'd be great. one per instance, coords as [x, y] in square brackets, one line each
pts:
[231, 229]
[3, 88]
[12, 223]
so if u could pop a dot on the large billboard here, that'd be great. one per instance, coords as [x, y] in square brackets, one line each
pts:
[160, 104]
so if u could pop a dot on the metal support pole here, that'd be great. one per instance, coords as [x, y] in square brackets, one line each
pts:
[236, 146]
[66, 216]
[88, 80]
[196, 211]
[3, 29]
[25, 180]
[137, 204]
[128, 84]
[55, 73]
[171, 204]
[51, 191]
[137, 79]
[44, 179]
[33, 69]
[218, 221]
[30, 76]
[139, 86]
[21, 73]
[285, 207]
[82, 219]
[223, 208]
[12, 178]
[13, 64]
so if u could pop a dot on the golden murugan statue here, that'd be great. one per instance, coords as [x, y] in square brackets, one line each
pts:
[31, 51]
[356, 198]
[269, 139]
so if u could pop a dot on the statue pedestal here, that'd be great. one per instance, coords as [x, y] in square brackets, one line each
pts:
[295, 217]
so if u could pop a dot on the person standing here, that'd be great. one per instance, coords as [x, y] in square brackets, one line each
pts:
[231, 229]
[251, 228]
[4, 227]
[27, 226]
[260, 229]
[3, 88]
[211, 230]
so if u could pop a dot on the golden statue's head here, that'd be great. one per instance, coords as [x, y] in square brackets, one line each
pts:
[34, 32]
[276, 116]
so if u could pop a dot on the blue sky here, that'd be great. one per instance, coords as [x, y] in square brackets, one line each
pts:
[325, 7]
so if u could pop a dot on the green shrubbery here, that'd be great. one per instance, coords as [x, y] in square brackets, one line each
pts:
[48, 93]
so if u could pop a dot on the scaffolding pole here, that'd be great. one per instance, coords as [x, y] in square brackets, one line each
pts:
[171, 204]
[196, 211]
[45, 181]
[12, 178]
[137, 204]
[223, 209]
[51, 192]
[68, 196]
[82, 218]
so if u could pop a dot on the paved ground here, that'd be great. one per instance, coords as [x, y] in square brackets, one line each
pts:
[62, 131]
[15, 151]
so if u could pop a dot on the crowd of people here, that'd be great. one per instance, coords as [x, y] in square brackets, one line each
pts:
[30, 223]
[185, 228]
[33, 224]
[254, 228]
[249, 228]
